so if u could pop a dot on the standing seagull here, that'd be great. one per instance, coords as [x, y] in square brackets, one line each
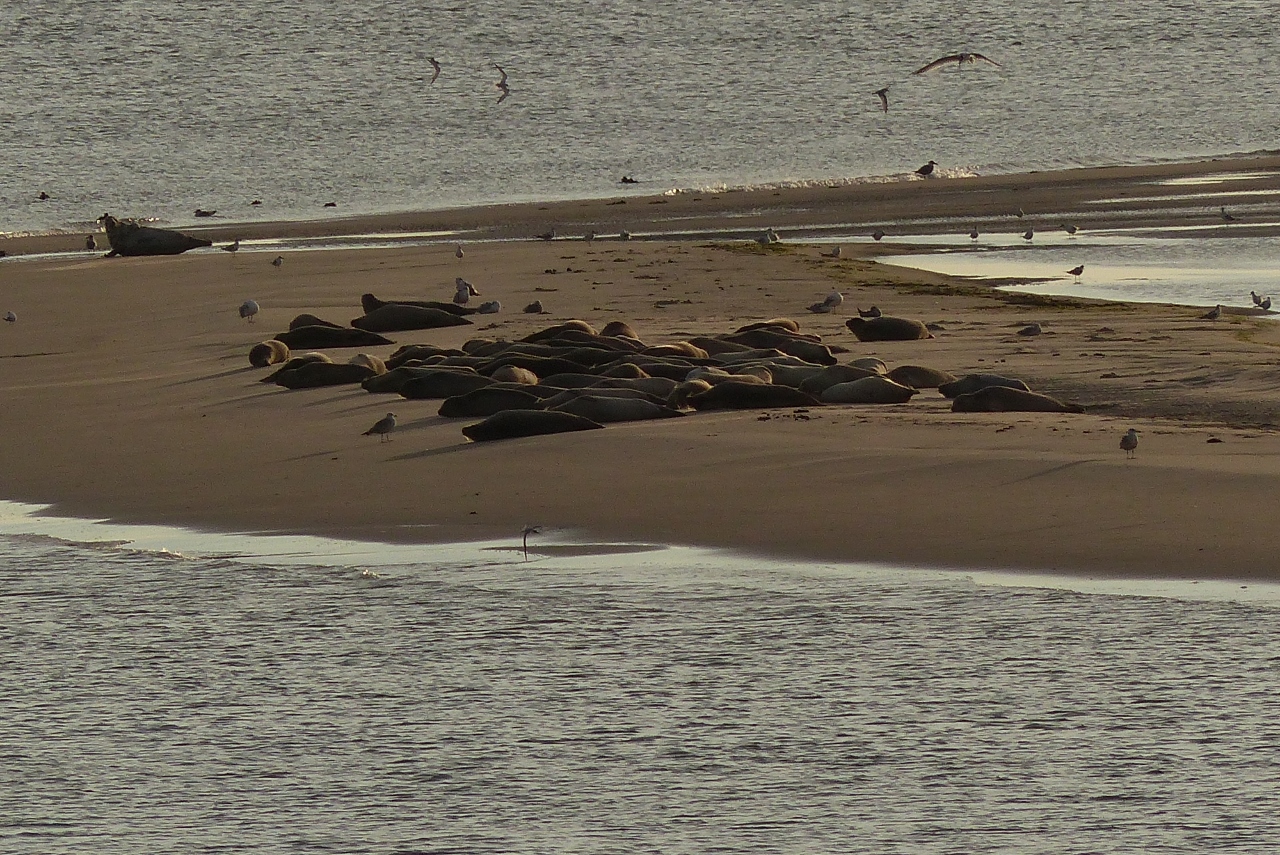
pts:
[1213, 314]
[383, 427]
[501, 85]
[960, 59]
[1077, 270]
[458, 251]
[435, 69]
[465, 291]
[248, 309]
[90, 244]
[233, 247]
[277, 261]
[10, 317]
[1265, 305]
[1028, 234]
[1257, 300]
[1227, 218]
[1129, 443]
[927, 170]
[973, 233]
[883, 95]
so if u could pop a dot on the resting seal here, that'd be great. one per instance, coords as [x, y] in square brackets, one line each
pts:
[833, 374]
[370, 303]
[869, 390]
[305, 320]
[606, 408]
[887, 328]
[515, 374]
[486, 401]
[443, 383]
[316, 374]
[749, 396]
[129, 238]
[973, 382]
[295, 362]
[373, 363]
[510, 424]
[305, 338]
[396, 317]
[919, 377]
[268, 353]
[1004, 399]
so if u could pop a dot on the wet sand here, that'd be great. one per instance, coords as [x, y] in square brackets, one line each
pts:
[128, 392]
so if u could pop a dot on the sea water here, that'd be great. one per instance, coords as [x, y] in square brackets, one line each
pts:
[147, 108]
[254, 694]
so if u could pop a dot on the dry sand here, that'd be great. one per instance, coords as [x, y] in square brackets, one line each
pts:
[128, 394]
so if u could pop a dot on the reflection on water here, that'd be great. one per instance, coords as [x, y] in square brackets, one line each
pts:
[158, 702]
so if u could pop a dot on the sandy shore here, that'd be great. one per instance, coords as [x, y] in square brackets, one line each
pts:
[128, 392]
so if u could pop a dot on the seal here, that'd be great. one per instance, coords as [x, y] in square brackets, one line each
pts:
[373, 363]
[370, 303]
[396, 317]
[306, 320]
[621, 329]
[511, 424]
[269, 352]
[486, 401]
[973, 382]
[316, 374]
[554, 331]
[606, 408]
[809, 351]
[514, 374]
[394, 379]
[886, 328]
[443, 383]
[1005, 399]
[542, 366]
[419, 351]
[677, 348]
[129, 238]
[305, 338]
[750, 396]
[679, 397]
[772, 323]
[919, 377]
[628, 370]
[871, 364]
[869, 390]
[833, 375]
[295, 362]
[566, 395]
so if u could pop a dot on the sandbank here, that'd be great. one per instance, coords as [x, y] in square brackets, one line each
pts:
[128, 392]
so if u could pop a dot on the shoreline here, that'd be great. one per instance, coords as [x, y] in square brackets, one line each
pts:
[130, 397]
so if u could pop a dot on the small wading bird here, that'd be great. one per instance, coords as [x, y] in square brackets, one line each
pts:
[973, 233]
[877, 234]
[960, 59]
[1213, 314]
[835, 253]
[1071, 230]
[549, 234]
[232, 247]
[1129, 443]
[883, 95]
[277, 261]
[1028, 234]
[927, 169]
[435, 69]
[1257, 300]
[1265, 305]
[382, 428]
[248, 309]
[1226, 218]
[458, 251]
[1077, 270]
[501, 85]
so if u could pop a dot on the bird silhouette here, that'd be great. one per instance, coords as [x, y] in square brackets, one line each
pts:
[877, 234]
[1265, 305]
[435, 69]
[277, 261]
[1226, 218]
[501, 85]
[883, 95]
[1213, 314]
[973, 233]
[1069, 229]
[233, 247]
[458, 253]
[1257, 299]
[1077, 270]
[834, 253]
[10, 317]
[960, 59]
[1028, 234]
[90, 243]
[927, 169]
[525, 532]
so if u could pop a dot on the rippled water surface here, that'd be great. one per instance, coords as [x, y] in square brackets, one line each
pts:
[161, 702]
[150, 108]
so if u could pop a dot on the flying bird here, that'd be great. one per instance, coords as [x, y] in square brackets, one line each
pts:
[883, 95]
[1129, 443]
[1077, 270]
[248, 309]
[382, 427]
[960, 59]
[927, 169]
[435, 69]
[501, 85]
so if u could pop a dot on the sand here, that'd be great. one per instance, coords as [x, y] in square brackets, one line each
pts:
[128, 394]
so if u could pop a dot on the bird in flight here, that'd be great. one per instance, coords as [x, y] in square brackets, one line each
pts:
[501, 85]
[435, 69]
[883, 95]
[959, 59]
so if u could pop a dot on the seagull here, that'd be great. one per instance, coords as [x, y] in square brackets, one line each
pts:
[458, 251]
[90, 243]
[465, 291]
[1213, 314]
[1021, 213]
[835, 253]
[873, 312]
[248, 309]
[1257, 301]
[624, 235]
[1227, 218]
[1077, 270]
[232, 247]
[383, 427]
[877, 234]
[277, 261]
[1028, 234]
[960, 59]
[492, 307]
[883, 95]
[1129, 443]
[1265, 305]
[528, 530]
[549, 234]
[501, 85]
[769, 236]
[927, 169]
[1071, 230]
[973, 233]
[590, 235]
[11, 317]
[435, 69]
[834, 299]
[43, 197]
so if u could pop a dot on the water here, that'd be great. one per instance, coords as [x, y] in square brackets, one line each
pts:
[150, 108]
[252, 697]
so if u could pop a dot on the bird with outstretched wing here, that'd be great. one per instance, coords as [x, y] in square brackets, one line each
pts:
[959, 59]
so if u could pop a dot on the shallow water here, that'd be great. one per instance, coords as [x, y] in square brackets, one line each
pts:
[149, 108]
[211, 699]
